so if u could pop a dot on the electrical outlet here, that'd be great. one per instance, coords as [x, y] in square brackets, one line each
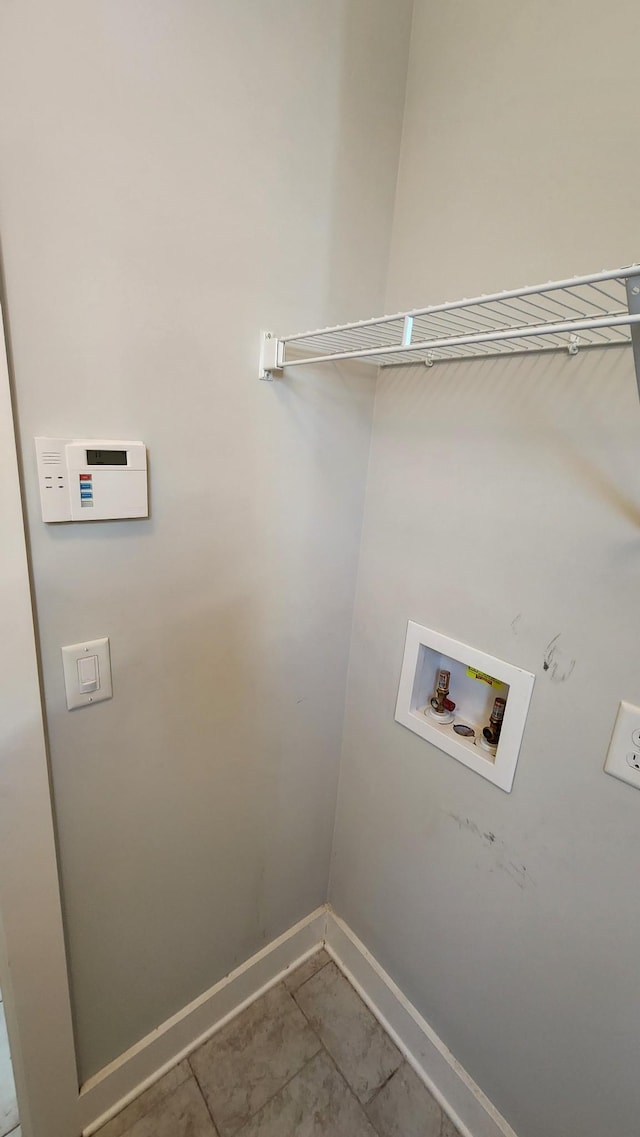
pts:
[623, 755]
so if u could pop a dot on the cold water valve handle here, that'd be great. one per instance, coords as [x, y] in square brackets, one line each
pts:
[491, 733]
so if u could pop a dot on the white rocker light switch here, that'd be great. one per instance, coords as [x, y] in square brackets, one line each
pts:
[87, 673]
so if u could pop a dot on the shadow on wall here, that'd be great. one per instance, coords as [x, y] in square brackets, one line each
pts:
[190, 784]
[558, 409]
[364, 157]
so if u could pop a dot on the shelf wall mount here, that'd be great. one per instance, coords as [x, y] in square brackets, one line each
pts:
[600, 310]
[271, 351]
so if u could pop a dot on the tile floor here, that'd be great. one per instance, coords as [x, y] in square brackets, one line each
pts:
[308, 1059]
[8, 1103]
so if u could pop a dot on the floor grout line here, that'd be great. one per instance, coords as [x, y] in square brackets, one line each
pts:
[322, 1053]
[364, 1106]
[280, 1088]
[361, 1106]
[14, 1129]
[202, 1093]
[304, 1064]
[379, 1089]
[321, 1046]
[294, 993]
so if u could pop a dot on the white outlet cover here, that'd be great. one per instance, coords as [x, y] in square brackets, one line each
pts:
[71, 654]
[623, 755]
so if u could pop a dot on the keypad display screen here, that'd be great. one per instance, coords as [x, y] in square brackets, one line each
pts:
[106, 457]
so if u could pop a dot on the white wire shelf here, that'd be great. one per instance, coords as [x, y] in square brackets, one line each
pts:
[601, 310]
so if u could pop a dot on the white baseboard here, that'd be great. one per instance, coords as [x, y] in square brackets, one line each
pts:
[457, 1093]
[116, 1085]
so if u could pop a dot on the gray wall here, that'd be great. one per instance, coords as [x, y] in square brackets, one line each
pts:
[174, 177]
[503, 508]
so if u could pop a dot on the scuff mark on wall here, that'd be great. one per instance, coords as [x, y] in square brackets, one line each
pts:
[467, 823]
[556, 661]
[505, 860]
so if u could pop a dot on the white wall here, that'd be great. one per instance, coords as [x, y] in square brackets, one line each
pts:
[33, 967]
[173, 177]
[503, 508]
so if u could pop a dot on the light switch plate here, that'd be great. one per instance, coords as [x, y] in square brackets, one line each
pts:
[623, 755]
[71, 655]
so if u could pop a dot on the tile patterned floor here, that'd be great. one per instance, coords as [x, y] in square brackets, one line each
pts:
[307, 1059]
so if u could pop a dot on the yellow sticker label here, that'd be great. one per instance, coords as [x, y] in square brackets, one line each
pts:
[473, 673]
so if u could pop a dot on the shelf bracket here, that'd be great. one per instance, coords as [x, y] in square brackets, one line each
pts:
[632, 284]
[271, 353]
[574, 344]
